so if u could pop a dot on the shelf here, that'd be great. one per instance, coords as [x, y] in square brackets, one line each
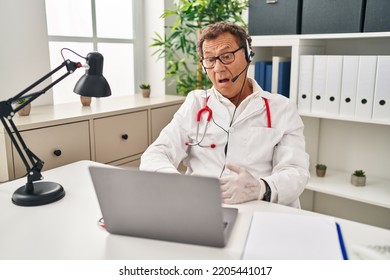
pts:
[337, 183]
[341, 118]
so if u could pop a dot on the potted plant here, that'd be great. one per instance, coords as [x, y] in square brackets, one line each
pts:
[145, 88]
[320, 170]
[358, 178]
[25, 111]
[178, 45]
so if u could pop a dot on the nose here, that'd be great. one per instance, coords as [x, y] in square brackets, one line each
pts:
[219, 66]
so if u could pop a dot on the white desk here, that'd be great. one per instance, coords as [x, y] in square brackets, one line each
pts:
[68, 229]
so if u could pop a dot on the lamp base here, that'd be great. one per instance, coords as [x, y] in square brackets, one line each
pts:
[43, 193]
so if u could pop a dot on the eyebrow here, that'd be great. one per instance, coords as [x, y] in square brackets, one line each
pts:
[223, 50]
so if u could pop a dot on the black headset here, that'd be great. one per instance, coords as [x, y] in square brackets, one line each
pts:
[249, 54]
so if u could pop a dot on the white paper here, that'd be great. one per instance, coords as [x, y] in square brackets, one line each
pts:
[279, 236]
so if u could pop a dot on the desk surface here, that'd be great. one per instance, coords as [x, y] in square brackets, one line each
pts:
[68, 229]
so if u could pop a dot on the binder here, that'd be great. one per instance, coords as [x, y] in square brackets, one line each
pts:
[284, 78]
[381, 108]
[333, 84]
[276, 60]
[319, 83]
[268, 77]
[305, 83]
[349, 86]
[260, 72]
[285, 236]
[365, 87]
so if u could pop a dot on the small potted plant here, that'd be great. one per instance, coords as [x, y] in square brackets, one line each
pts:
[25, 111]
[358, 178]
[145, 89]
[320, 170]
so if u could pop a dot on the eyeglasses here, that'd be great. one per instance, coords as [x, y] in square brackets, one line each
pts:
[225, 58]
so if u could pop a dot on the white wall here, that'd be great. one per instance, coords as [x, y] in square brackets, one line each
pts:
[154, 69]
[24, 50]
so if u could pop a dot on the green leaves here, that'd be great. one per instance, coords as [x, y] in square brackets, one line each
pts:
[178, 45]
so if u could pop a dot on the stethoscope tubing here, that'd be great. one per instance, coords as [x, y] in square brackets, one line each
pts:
[208, 110]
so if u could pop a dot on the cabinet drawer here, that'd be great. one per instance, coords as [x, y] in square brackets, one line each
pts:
[56, 145]
[120, 136]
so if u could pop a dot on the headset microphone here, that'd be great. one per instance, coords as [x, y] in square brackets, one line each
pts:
[249, 56]
[237, 76]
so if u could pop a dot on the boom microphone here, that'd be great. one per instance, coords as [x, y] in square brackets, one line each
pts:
[237, 76]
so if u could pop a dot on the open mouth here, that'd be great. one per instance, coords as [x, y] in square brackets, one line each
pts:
[222, 81]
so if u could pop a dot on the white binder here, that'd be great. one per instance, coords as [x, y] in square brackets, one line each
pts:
[319, 83]
[381, 108]
[349, 85]
[365, 87]
[305, 83]
[333, 84]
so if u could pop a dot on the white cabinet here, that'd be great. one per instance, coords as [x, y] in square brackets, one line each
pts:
[63, 144]
[343, 143]
[112, 130]
[120, 136]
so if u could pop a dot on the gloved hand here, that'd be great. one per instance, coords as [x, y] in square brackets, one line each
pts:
[240, 187]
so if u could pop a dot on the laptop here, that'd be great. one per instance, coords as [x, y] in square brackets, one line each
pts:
[171, 207]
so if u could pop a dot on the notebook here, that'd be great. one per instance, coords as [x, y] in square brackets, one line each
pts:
[171, 207]
[294, 237]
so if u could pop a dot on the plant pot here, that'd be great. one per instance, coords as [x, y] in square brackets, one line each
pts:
[25, 111]
[358, 181]
[146, 93]
[320, 172]
[85, 100]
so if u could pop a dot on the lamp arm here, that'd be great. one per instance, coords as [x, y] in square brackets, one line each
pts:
[32, 163]
[70, 66]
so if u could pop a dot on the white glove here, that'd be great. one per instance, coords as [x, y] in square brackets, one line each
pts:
[240, 187]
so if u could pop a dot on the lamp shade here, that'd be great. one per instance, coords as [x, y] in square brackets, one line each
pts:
[92, 83]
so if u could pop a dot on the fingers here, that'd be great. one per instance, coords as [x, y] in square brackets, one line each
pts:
[233, 167]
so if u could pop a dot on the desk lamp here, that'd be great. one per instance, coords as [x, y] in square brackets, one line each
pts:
[92, 83]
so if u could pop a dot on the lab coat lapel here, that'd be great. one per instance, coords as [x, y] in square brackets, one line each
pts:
[255, 106]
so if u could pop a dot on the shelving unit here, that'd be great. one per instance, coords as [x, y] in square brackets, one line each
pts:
[342, 143]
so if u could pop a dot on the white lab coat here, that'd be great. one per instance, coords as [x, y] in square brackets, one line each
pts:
[276, 154]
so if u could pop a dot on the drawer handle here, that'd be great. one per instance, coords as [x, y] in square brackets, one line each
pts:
[125, 136]
[57, 152]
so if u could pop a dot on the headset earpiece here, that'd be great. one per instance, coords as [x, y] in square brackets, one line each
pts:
[248, 53]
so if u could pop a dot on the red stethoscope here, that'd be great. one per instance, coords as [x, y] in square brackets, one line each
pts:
[207, 109]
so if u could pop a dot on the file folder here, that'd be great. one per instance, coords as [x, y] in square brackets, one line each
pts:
[305, 83]
[349, 86]
[333, 84]
[284, 74]
[260, 72]
[276, 60]
[282, 236]
[268, 77]
[365, 87]
[381, 108]
[319, 83]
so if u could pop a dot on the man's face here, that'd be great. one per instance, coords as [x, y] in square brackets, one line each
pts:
[221, 75]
